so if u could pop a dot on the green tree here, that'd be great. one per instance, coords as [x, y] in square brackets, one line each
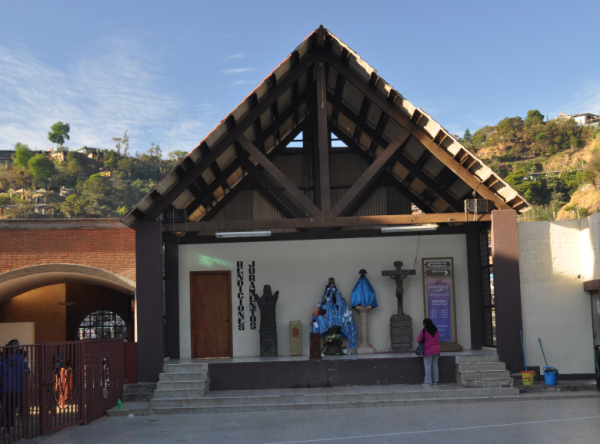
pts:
[591, 173]
[508, 129]
[59, 132]
[178, 155]
[22, 155]
[155, 151]
[41, 168]
[122, 143]
[481, 135]
[534, 117]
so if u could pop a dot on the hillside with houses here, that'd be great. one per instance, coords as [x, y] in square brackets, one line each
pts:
[553, 163]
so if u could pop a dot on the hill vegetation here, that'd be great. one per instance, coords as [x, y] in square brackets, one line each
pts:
[545, 161]
[554, 164]
[80, 183]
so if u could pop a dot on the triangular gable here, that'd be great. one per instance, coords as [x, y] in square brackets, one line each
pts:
[430, 166]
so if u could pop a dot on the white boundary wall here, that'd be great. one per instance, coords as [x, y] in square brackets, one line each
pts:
[300, 269]
[555, 258]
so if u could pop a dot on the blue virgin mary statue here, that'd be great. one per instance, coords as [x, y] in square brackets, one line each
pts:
[363, 293]
[332, 310]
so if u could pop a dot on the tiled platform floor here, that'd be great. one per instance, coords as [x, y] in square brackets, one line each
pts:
[328, 358]
[526, 422]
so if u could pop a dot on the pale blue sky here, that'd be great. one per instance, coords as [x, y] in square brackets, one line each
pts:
[170, 71]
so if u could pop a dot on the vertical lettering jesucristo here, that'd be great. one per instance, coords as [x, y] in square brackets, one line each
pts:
[252, 294]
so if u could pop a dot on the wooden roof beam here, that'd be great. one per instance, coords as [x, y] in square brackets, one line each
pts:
[219, 148]
[445, 157]
[418, 173]
[248, 179]
[207, 192]
[286, 206]
[368, 177]
[328, 222]
[395, 181]
[278, 175]
[322, 188]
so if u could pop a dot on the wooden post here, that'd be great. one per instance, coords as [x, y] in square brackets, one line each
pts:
[149, 300]
[322, 192]
[507, 288]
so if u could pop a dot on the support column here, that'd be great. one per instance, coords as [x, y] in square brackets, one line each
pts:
[474, 275]
[172, 295]
[322, 192]
[507, 288]
[364, 348]
[149, 300]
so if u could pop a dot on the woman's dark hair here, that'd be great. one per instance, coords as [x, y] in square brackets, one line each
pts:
[430, 326]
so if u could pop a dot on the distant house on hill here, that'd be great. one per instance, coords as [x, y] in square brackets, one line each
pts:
[6, 157]
[583, 119]
[92, 153]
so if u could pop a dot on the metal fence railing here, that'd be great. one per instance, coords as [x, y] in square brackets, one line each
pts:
[50, 386]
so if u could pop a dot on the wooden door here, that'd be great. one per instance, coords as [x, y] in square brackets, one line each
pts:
[210, 294]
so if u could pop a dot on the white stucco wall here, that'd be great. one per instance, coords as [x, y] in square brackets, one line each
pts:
[300, 270]
[553, 257]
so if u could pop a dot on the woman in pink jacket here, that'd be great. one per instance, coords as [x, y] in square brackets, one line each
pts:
[431, 352]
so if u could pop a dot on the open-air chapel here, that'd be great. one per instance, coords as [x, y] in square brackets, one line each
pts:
[325, 171]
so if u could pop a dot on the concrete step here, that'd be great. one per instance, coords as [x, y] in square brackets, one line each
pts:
[479, 374]
[181, 384]
[142, 409]
[202, 376]
[179, 394]
[471, 359]
[488, 382]
[481, 366]
[138, 392]
[185, 368]
[220, 401]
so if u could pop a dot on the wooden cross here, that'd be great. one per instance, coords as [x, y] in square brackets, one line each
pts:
[398, 275]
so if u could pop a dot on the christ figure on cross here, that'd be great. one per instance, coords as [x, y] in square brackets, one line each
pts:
[398, 275]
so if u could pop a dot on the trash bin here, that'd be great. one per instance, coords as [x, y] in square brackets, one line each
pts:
[528, 377]
[550, 375]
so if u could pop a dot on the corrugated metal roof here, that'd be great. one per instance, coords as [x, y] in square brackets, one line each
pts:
[408, 167]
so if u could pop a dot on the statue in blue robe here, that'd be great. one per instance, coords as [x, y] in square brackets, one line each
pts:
[333, 310]
[363, 293]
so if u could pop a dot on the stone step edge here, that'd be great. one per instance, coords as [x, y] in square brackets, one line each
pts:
[340, 404]
[180, 381]
[515, 391]
[474, 378]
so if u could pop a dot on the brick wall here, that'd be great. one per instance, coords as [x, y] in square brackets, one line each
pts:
[107, 248]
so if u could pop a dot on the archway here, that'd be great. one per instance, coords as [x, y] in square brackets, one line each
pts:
[21, 280]
[54, 298]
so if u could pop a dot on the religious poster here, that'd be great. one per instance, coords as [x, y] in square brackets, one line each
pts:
[438, 286]
[438, 305]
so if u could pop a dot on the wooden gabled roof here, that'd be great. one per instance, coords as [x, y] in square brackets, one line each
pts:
[326, 86]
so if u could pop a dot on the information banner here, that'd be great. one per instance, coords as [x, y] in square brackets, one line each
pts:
[438, 305]
[438, 286]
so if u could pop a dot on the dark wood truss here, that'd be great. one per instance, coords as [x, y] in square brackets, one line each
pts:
[318, 111]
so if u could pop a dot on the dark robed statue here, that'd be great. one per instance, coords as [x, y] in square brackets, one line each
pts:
[268, 322]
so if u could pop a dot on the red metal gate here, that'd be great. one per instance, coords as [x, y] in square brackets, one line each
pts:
[50, 386]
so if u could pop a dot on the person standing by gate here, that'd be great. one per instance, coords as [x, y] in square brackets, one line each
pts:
[431, 351]
[12, 368]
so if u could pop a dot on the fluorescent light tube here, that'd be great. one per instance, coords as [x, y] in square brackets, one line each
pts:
[409, 228]
[243, 234]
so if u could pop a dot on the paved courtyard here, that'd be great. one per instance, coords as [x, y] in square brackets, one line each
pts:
[544, 422]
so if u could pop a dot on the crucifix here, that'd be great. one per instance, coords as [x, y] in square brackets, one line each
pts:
[398, 275]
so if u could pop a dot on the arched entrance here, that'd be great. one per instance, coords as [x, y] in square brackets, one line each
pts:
[21, 280]
[52, 300]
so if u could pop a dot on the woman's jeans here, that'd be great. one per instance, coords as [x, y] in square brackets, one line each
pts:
[431, 367]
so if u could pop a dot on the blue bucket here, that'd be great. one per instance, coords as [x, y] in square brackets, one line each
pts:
[551, 376]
